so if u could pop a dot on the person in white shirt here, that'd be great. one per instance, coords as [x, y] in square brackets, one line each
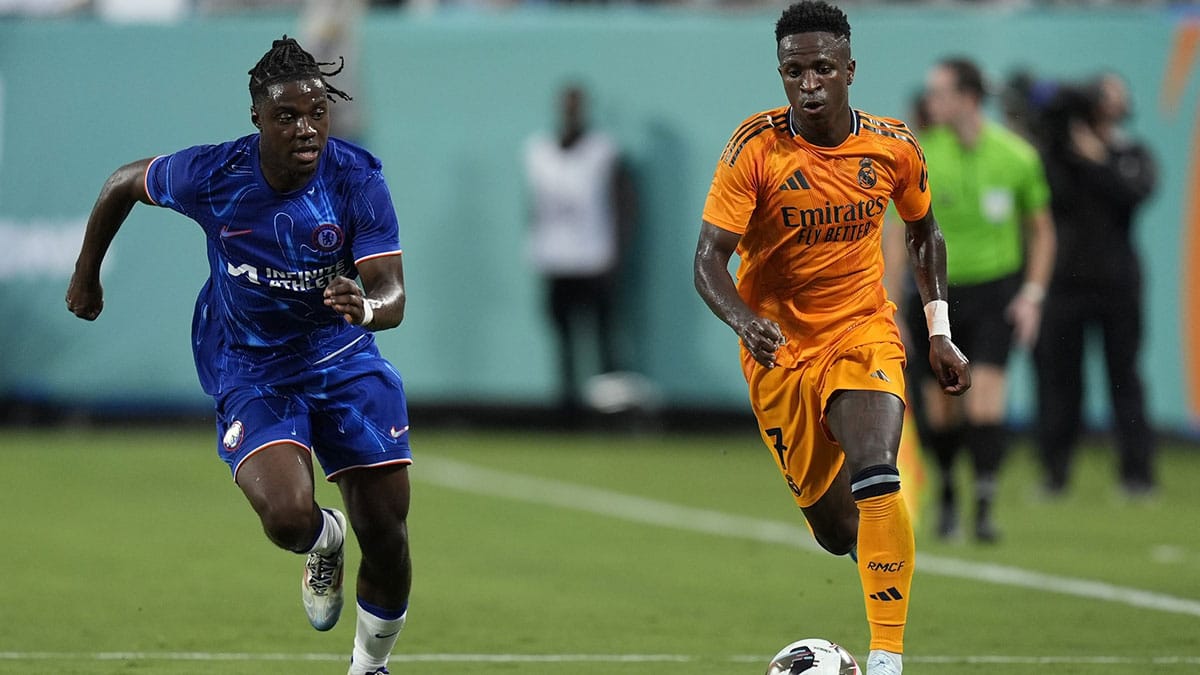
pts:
[581, 203]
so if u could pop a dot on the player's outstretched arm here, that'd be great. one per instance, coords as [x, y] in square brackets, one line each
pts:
[124, 188]
[927, 254]
[379, 303]
[761, 337]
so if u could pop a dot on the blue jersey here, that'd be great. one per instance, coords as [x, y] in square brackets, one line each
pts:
[261, 315]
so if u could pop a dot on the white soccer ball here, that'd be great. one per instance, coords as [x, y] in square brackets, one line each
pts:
[813, 656]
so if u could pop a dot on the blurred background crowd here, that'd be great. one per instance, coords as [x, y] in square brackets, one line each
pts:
[456, 105]
[174, 9]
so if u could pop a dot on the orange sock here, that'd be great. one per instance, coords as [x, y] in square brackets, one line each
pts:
[885, 564]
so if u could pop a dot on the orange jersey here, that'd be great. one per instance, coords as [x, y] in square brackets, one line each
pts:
[810, 219]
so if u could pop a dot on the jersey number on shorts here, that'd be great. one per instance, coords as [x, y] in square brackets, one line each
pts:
[776, 435]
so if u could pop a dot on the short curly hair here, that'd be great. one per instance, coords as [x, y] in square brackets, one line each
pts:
[812, 16]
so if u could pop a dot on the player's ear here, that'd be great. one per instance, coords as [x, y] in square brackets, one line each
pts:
[254, 118]
[850, 73]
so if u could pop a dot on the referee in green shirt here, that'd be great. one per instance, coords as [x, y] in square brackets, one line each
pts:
[992, 201]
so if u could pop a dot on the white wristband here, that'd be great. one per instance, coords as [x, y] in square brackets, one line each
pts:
[1033, 291]
[368, 313]
[937, 317]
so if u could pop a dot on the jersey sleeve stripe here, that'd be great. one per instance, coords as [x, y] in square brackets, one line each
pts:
[745, 128]
[749, 126]
[735, 145]
[730, 158]
[894, 126]
[146, 180]
[378, 255]
[892, 134]
[743, 135]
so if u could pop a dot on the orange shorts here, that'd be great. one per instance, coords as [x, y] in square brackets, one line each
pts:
[789, 403]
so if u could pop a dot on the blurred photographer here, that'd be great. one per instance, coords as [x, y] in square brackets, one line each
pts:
[1099, 177]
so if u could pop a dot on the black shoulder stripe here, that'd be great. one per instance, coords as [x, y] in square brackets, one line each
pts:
[892, 134]
[881, 122]
[741, 132]
[730, 157]
[749, 127]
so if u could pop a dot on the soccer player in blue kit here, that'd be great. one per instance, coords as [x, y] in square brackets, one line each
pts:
[282, 334]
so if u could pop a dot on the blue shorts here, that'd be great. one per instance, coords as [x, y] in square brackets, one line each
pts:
[351, 414]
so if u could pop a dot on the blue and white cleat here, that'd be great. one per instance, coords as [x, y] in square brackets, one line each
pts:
[321, 585]
[880, 662]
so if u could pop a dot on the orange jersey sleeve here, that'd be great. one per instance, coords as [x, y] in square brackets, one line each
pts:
[810, 220]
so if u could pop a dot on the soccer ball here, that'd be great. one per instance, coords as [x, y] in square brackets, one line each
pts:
[813, 656]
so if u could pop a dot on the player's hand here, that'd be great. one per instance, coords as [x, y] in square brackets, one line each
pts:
[1025, 315]
[761, 337]
[345, 297]
[952, 369]
[85, 297]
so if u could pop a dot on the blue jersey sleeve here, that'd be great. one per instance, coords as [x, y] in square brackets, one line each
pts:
[376, 230]
[171, 181]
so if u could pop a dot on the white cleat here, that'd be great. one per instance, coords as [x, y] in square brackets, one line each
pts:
[321, 585]
[884, 663]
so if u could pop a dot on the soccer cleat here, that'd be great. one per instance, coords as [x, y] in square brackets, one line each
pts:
[947, 521]
[880, 662]
[986, 531]
[382, 670]
[321, 585]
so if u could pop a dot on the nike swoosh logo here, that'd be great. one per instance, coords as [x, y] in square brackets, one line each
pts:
[384, 637]
[397, 433]
[226, 232]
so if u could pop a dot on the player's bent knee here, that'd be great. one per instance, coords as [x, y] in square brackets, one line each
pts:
[290, 528]
[840, 546]
[841, 541]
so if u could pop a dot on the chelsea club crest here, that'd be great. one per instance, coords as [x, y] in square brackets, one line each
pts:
[328, 237]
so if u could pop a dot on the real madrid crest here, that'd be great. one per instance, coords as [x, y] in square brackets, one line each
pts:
[866, 173]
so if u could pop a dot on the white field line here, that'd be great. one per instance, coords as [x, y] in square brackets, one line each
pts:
[469, 478]
[245, 657]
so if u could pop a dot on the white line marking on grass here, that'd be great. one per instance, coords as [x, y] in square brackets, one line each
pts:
[243, 657]
[415, 658]
[463, 476]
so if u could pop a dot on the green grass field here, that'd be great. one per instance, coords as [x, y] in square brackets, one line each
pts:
[133, 552]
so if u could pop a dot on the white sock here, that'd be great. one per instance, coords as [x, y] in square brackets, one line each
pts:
[374, 638]
[331, 536]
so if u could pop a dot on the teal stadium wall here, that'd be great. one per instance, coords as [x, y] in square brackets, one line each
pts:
[450, 99]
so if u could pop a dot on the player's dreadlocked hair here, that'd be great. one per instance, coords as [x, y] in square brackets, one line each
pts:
[812, 16]
[286, 62]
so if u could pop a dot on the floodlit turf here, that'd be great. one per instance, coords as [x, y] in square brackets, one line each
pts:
[133, 552]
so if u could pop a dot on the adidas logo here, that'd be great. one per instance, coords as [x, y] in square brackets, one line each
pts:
[888, 595]
[796, 182]
[880, 375]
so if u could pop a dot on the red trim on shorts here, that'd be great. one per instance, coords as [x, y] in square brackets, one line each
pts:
[264, 445]
[389, 462]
